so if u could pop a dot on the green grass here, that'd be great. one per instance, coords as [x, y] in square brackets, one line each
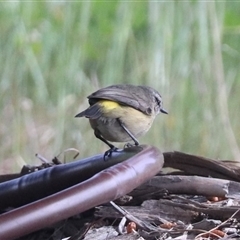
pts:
[54, 54]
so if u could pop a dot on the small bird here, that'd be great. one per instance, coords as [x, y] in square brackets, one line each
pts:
[123, 112]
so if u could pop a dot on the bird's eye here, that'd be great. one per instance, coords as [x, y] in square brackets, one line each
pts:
[149, 111]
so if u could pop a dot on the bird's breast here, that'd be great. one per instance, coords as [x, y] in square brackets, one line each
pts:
[135, 121]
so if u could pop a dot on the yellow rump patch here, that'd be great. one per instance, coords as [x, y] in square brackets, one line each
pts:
[108, 105]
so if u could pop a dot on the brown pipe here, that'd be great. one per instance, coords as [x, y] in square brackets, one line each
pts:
[103, 187]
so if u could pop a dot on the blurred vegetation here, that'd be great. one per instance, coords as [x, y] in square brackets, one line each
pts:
[54, 54]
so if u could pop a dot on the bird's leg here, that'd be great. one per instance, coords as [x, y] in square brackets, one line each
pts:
[108, 153]
[128, 132]
[99, 136]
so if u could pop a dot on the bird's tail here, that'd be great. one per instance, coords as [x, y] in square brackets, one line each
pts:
[92, 112]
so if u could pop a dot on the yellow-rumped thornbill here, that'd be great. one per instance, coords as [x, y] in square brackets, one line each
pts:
[123, 112]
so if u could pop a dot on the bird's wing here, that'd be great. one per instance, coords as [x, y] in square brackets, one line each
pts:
[132, 96]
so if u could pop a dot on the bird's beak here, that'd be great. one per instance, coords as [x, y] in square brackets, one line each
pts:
[162, 110]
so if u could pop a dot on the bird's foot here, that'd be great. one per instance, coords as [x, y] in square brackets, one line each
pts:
[129, 145]
[109, 152]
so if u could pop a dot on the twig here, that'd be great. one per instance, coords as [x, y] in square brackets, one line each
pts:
[129, 216]
[41, 158]
[215, 228]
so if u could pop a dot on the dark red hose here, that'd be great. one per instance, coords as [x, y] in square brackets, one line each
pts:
[103, 187]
